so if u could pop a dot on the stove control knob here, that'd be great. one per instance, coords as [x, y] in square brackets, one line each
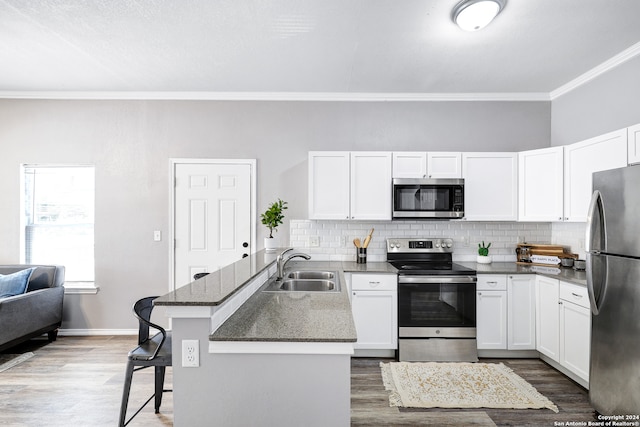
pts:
[437, 244]
[449, 244]
[392, 245]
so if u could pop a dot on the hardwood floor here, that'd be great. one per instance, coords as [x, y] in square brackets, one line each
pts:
[77, 381]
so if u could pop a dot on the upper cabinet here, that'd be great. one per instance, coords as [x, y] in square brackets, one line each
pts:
[427, 164]
[444, 165]
[491, 186]
[349, 185]
[410, 164]
[581, 160]
[633, 136]
[540, 184]
[329, 191]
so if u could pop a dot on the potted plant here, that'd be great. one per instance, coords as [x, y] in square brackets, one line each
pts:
[483, 254]
[272, 218]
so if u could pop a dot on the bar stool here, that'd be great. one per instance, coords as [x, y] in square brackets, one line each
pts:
[151, 351]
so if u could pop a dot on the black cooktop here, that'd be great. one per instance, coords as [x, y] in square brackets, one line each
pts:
[430, 268]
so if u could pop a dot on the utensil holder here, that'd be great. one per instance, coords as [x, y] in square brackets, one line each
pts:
[361, 256]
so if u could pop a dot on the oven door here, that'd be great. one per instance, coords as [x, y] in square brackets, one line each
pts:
[428, 198]
[437, 306]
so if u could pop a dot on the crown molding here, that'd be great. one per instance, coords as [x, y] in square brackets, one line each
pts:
[597, 71]
[275, 96]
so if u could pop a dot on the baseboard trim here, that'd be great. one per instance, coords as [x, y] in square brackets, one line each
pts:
[96, 332]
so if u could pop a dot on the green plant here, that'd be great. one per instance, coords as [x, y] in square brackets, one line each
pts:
[273, 216]
[483, 250]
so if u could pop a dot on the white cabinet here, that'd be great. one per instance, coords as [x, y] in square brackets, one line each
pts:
[344, 185]
[505, 312]
[575, 329]
[434, 164]
[410, 164]
[548, 317]
[444, 164]
[540, 184]
[521, 320]
[329, 190]
[491, 312]
[581, 160]
[491, 186]
[633, 144]
[374, 302]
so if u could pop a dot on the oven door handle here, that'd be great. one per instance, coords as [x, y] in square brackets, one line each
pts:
[437, 279]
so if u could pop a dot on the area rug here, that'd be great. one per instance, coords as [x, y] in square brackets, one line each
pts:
[8, 361]
[459, 385]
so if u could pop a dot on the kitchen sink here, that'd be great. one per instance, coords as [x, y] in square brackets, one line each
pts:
[306, 281]
[311, 275]
[308, 285]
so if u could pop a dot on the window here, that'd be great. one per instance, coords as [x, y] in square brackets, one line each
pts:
[58, 219]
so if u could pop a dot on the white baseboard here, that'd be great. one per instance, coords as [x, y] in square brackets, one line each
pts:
[96, 332]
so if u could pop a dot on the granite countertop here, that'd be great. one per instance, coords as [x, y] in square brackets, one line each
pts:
[293, 316]
[218, 286]
[566, 274]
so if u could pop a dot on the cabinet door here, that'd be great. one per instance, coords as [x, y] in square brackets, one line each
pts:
[371, 185]
[444, 165]
[491, 319]
[375, 315]
[491, 186]
[409, 165]
[633, 144]
[584, 158]
[575, 338]
[329, 185]
[540, 183]
[548, 317]
[521, 314]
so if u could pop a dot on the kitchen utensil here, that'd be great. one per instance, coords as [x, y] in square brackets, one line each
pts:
[356, 242]
[579, 264]
[367, 239]
[566, 262]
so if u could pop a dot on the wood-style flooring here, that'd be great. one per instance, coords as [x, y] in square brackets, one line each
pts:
[77, 381]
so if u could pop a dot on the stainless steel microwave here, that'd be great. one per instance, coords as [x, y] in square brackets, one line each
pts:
[428, 198]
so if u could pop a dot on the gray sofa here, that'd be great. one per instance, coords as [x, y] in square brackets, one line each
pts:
[35, 312]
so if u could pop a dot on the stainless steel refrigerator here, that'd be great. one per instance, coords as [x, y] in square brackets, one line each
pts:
[613, 280]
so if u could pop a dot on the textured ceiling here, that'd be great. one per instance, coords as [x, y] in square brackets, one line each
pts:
[334, 46]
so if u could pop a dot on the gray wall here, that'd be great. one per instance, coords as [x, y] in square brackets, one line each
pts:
[130, 143]
[607, 103]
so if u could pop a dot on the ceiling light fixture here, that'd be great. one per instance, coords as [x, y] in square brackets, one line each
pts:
[473, 15]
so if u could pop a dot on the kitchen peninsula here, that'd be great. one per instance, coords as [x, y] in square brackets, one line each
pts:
[265, 358]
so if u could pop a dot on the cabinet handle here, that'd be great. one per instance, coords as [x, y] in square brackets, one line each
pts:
[480, 294]
[492, 283]
[560, 219]
[374, 283]
[559, 302]
[576, 295]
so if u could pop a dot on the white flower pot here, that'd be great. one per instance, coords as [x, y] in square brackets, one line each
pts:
[484, 259]
[270, 244]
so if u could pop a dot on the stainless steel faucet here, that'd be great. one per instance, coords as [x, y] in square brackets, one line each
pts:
[282, 261]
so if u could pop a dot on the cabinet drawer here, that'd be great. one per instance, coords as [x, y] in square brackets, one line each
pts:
[368, 282]
[574, 293]
[492, 282]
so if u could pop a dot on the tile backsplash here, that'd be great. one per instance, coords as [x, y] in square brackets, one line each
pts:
[334, 239]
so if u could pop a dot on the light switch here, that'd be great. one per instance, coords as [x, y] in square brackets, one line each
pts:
[157, 235]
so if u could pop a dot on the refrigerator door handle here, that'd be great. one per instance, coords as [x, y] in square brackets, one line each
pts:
[596, 297]
[595, 205]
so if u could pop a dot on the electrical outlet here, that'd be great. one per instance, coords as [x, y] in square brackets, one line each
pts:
[190, 353]
[157, 235]
[465, 241]
[314, 241]
[343, 241]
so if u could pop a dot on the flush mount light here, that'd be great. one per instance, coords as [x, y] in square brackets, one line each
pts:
[472, 15]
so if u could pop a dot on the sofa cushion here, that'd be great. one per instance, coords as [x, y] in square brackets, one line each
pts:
[15, 283]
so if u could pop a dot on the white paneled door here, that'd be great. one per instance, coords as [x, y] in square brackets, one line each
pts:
[212, 217]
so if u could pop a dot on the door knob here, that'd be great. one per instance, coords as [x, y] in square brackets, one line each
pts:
[245, 255]
[245, 244]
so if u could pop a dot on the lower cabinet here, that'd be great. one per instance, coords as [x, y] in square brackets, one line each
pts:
[575, 329]
[505, 312]
[563, 321]
[374, 302]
